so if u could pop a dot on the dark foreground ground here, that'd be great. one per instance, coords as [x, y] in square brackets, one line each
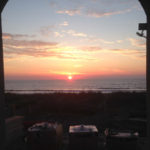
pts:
[114, 110]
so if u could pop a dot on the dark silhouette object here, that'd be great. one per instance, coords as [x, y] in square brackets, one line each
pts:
[121, 139]
[2, 116]
[146, 7]
[141, 34]
[44, 135]
[2, 5]
[142, 27]
[83, 137]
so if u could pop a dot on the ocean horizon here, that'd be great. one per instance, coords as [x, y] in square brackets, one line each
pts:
[76, 86]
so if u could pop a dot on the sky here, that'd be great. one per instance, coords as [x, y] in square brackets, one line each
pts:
[54, 39]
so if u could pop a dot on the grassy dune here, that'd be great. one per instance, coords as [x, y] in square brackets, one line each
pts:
[113, 110]
[81, 103]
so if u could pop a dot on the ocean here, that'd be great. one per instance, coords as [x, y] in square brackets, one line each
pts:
[75, 86]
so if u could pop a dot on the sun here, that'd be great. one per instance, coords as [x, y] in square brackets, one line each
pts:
[69, 77]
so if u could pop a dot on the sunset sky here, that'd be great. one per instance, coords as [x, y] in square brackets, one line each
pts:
[54, 39]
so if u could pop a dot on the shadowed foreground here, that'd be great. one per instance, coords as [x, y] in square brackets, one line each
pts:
[123, 111]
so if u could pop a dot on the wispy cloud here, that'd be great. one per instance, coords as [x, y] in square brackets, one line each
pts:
[66, 73]
[47, 30]
[16, 36]
[90, 7]
[99, 40]
[19, 44]
[134, 53]
[29, 43]
[84, 36]
[119, 41]
[96, 8]
[70, 12]
[75, 33]
[65, 23]
[57, 34]
[91, 48]
[137, 42]
[130, 52]
[53, 4]
[29, 48]
[92, 12]
[14, 47]
[98, 13]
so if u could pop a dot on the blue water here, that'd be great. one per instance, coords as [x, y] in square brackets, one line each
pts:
[86, 85]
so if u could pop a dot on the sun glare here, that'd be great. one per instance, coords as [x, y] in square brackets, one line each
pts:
[69, 77]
